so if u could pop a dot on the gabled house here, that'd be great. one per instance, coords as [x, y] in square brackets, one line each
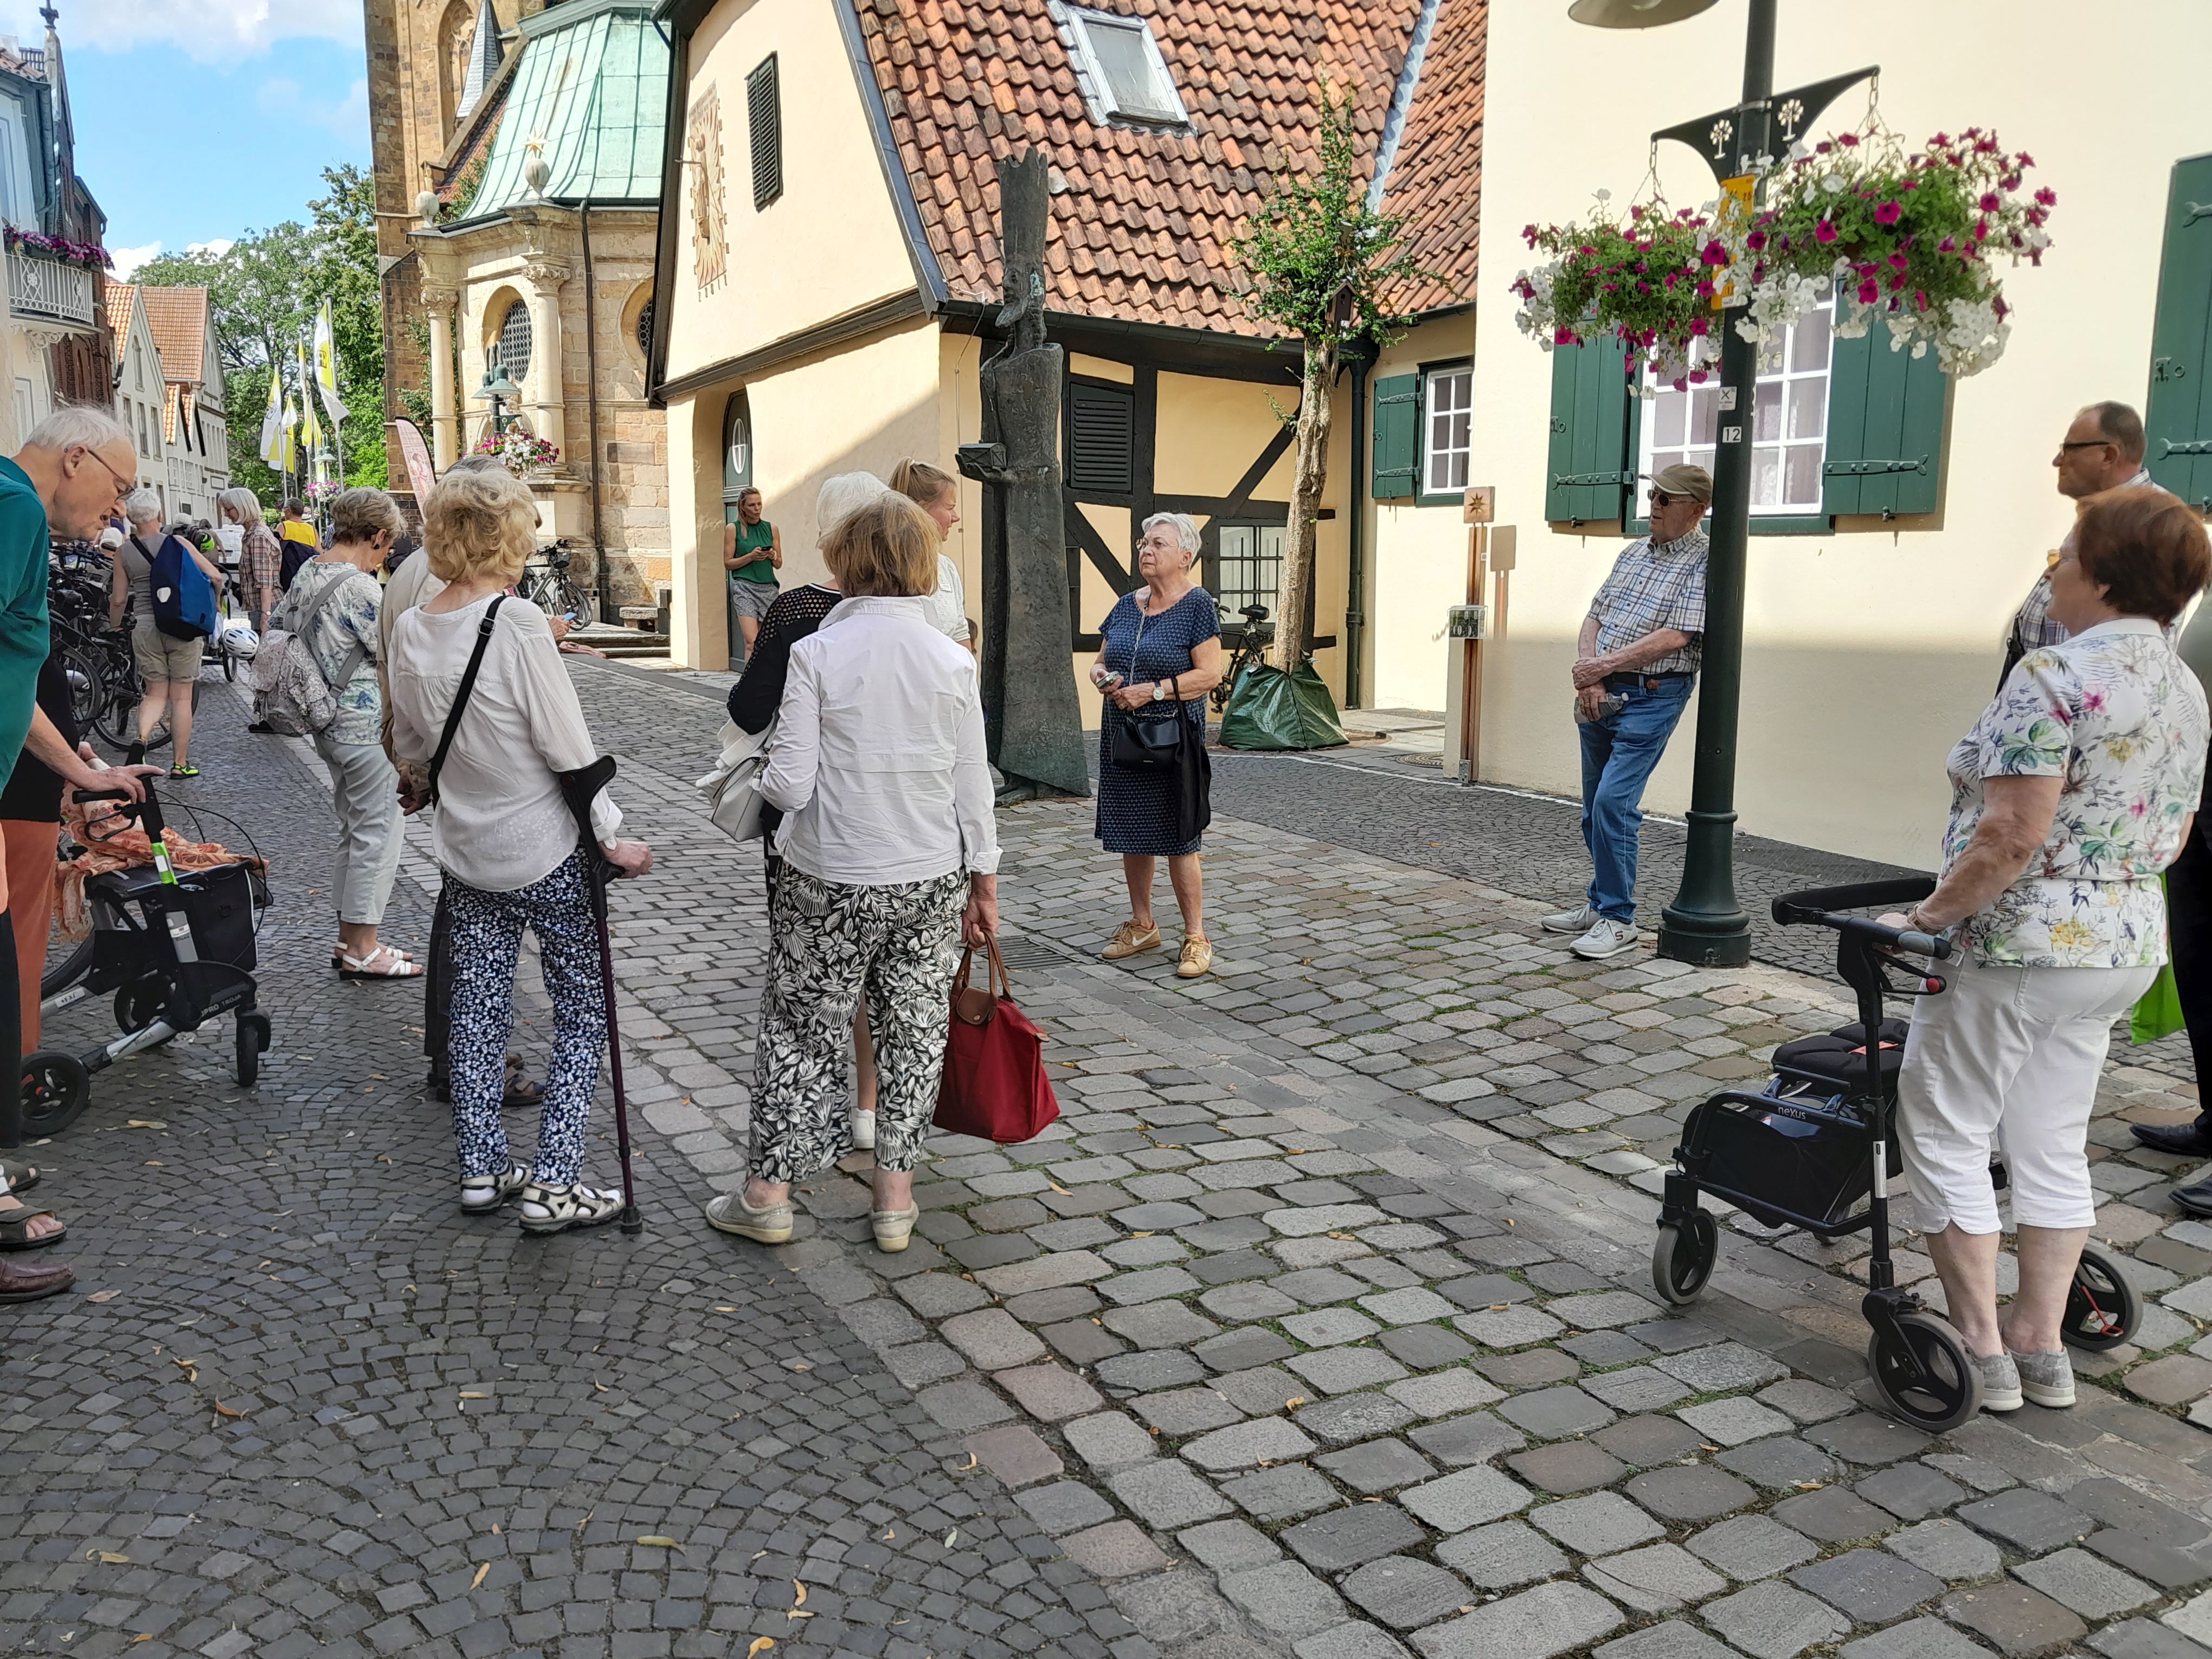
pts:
[141, 393]
[829, 275]
[195, 432]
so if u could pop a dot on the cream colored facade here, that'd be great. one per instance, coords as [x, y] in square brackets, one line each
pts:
[1867, 652]
[751, 291]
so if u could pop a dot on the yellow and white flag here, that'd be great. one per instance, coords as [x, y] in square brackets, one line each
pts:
[326, 364]
[288, 453]
[272, 421]
[311, 429]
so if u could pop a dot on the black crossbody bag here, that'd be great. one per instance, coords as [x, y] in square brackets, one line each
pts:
[461, 698]
[1148, 746]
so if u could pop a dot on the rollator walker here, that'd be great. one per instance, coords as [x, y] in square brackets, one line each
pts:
[1816, 1149]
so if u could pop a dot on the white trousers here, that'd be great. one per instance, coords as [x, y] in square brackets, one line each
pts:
[2007, 1059]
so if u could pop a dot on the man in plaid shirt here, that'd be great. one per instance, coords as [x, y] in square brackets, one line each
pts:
[2102, 450]
[1634, 666]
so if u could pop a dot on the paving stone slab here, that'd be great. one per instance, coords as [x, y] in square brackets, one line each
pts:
[1230, 1546]
[1108, 1441]
[1695, 1492]
[1444, 1393]
[1502, 1555]
[2027, 1520]
[1474, 1438]
[1535, 1624]
[1066, 1506]
[2169, 1568]
[1552, 1413]
[1783, 1463]
[2123, 1506]
[1509, 1327]
[1405, 1592]
[1266, 1439]
[1917, 1638]
[1166, 1495]
[1867, 1439]
[1353, 1417]
[1751, 1546]
[1657, 1578]
[1733, 1421]
[1804, 1401]
[1567, 1467]
[1016, 1455]
[1911, 1492]
[1340, 1371]
[1947, 1547]
[1242, 1349]
[2142, 1638]
[1869, 1586]
[1467, 1499]
[1637, 1388]
[1641, 1442]
[1674, 1638]
[1282, 1493]
[1601, 1310]
[2018, 1620]
[1601, 1523]
[1285, 1598]
[1424, 1347]
[1116, 1550]
[1376, 1466]
[1774, 1620]
[2081, 1583]
[1187, 1411]
[1722, 1366]
[1833, 1515]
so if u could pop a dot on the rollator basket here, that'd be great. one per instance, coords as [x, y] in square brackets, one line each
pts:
[1789, 1160]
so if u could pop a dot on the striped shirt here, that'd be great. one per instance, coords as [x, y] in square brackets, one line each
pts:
[2032, 627]
[1655, 585]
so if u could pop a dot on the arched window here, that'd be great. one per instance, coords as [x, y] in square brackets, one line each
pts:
[645, 330]
[737, 454]
[511, 350]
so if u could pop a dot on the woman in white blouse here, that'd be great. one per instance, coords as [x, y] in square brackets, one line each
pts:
[503, 835]
[888, 844]
[937, 493]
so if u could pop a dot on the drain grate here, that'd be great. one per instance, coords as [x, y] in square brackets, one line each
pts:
[1023, 954]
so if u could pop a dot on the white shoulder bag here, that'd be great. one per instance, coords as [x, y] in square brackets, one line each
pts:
[732, 789]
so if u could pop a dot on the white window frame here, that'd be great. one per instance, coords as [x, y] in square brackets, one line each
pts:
[1079, 21]
[1255, 547]
[1701, 454]
[1459, 377]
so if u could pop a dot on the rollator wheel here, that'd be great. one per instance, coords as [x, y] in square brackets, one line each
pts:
[56, 1089]
[252, 1042]
[1930, 1380]
[2102, 1309]
[1682, 1257]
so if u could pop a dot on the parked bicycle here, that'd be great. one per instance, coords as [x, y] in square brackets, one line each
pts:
[547, 585]
[1251, 648]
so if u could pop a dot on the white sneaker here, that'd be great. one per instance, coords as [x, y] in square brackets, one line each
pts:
[1606, 938]
[864, 1131]
[1577, 921]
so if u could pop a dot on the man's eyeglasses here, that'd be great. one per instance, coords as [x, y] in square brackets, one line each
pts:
[122, 486]
[2088, 443]
[1661, 498]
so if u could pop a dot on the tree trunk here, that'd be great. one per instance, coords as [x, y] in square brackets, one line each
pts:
[1294, 598]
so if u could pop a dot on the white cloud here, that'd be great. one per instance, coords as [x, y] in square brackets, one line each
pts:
[207, 30]
[214, 248]
[128, 259]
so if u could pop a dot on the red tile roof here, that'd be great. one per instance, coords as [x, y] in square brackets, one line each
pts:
[178, 319]
[1143, 219]
[1436, 180]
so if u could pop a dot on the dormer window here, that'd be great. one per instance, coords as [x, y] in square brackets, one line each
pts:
[1129, 79]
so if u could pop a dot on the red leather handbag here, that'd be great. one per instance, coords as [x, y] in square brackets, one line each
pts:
[994, 1085]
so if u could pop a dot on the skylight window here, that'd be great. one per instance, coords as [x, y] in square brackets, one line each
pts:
[1129, 80]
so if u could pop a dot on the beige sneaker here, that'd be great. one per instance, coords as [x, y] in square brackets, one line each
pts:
[769, 1225]
[1197, 957]
[1129, 939]
[893, 1228]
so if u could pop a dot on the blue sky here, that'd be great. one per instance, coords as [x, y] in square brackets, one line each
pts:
[198, 119]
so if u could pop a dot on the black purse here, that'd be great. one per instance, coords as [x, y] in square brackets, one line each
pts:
[1146, 745]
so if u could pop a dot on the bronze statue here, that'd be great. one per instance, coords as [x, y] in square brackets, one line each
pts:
[1035, 727]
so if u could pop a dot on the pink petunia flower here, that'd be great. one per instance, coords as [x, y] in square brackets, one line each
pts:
[1889, 212]
[1824, 231]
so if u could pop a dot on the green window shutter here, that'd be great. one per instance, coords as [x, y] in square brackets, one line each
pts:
[1884, 428]
[1590, 466]
[1101, 437]
[1397, 460]
[2177, 416]
[764, 125]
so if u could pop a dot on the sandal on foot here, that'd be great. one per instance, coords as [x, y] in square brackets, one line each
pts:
[769, 1225]
[894, 1229]
[16, 1230]
[17, 1177]
[556, 1209]
[182, 770]
[522, 1089]
[382, 963]
[482, 1194]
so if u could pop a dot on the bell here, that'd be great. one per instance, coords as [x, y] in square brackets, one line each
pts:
[1635, 14]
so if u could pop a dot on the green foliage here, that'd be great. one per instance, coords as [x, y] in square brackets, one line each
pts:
[1313, 238]
[465, 189]
[264, 292]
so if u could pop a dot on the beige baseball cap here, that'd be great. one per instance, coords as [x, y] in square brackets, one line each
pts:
[1683, 479]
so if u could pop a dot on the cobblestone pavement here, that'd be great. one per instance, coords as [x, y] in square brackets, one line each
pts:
[299, 1405]
[1320, 1321]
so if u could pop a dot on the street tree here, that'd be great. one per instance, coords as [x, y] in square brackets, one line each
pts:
[263, 293]
[1321, 260]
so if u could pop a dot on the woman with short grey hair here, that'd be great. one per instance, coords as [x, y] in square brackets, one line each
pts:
[1159, 654]
[167, 664]
[260, 559]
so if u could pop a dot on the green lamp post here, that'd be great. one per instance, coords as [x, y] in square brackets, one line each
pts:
[500, 392]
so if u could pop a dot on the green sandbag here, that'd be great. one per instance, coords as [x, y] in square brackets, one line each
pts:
[2158, 1012]
[1270, 709]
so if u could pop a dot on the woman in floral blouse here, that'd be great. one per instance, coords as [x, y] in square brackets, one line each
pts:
[2073, 791]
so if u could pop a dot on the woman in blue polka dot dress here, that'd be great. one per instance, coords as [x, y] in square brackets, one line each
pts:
[1160, 653]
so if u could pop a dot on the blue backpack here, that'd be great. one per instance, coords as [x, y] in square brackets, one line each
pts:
[184, 600]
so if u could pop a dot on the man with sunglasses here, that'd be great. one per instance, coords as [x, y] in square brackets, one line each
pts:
[2102, 450]
[1634, 665]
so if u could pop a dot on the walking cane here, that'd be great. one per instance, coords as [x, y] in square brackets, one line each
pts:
[580, 789]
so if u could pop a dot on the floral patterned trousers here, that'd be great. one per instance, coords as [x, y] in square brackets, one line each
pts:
[832, 943]
[486, 941]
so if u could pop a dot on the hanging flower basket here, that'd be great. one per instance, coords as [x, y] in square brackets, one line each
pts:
[523, 453]
[1913, 240]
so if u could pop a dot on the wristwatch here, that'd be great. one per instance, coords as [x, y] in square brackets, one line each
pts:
[1159, 691]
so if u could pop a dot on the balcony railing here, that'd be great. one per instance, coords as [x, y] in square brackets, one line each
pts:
[49, 291]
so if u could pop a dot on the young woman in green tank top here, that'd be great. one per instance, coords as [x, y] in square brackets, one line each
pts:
[752, 552]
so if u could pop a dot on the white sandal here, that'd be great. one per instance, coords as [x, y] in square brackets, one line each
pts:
[382, 963]
[485, 1194]
[556, 1209]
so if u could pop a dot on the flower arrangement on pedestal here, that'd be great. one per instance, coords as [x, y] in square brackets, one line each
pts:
[522, 452]
[1911, 240]
[323, 488]
[90, 255]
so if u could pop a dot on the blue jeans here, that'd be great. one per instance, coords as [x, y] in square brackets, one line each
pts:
[1618, 755]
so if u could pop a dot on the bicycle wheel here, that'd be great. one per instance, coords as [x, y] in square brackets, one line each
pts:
[87, 687]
